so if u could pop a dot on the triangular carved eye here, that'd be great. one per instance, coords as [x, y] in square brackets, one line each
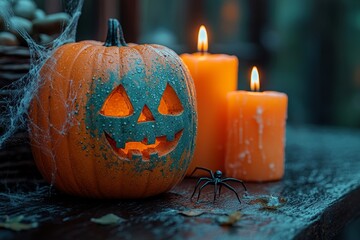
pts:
[146, 115]
[117, 104]
[170, 103]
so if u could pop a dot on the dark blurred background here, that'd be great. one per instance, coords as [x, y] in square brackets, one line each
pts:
[309, 49]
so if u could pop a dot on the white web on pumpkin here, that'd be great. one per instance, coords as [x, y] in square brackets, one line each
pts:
[45, 135]
[15, 116]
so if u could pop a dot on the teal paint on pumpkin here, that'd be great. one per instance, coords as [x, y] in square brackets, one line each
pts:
[98, 170]
[143, 89]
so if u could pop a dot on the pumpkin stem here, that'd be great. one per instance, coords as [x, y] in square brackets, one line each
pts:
[115, 35]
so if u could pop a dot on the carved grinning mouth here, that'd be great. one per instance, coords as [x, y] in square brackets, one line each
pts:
[142, 149]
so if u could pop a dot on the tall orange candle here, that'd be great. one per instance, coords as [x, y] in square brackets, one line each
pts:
[256, 133]
[214, 76]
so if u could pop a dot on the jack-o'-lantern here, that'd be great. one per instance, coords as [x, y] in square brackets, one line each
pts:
[113, 120]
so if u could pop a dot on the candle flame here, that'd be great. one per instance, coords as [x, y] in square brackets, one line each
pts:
[255, 82]
[202, 40]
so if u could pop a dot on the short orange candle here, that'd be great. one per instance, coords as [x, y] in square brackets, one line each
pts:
[256, 133]
[214, 76]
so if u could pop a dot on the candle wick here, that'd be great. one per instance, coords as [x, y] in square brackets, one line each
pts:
[202, 49]
[202, 52]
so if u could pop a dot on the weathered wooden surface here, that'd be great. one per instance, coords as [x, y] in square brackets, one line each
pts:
[321, 192]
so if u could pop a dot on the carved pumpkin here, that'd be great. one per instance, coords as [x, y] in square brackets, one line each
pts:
[113, 120]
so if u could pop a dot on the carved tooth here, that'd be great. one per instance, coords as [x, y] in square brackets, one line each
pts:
[129, 154]
[151, 139]
[134, 154]
[150, 153]
[154, 154]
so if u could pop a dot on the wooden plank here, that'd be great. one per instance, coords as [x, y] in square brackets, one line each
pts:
[320, 189]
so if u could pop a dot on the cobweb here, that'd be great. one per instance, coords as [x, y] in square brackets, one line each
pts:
[15, 116]
[16, 199]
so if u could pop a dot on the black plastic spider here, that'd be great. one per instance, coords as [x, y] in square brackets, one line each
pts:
[216, 180]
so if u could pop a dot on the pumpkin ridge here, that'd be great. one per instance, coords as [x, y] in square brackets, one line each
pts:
[82, 186]
[46, 129]
[189, 84]
[188, 81]
[138, 51]
[192, 100]
[154, 49]
[98, 174]
[148, 62]
[69, 137]
[34, 137]
[145, 189]
[70, 165]
[54, 176]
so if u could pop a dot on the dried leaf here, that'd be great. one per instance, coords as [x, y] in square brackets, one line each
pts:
[108, 219]
[191, 213]
[269, 203]
[230, 220]
[258, 200]
[15, 224]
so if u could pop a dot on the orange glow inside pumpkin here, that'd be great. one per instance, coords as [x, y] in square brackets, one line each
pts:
[146, 115]
[161, 147]
[118, 104]
[170, 103]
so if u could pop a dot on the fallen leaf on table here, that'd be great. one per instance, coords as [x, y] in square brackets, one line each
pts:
[191, 213]
[108, 219]
[273, 203]
[258, 200]
[269, 203]
[16, 224]
[229, 220]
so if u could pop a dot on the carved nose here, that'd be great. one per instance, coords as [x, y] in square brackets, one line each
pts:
[146, 115]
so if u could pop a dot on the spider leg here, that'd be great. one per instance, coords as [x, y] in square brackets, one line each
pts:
[215, 189]
[220, 189]
[197, 185]
[232, 189]
[235, 180]
[204, 185]
[204, 169]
